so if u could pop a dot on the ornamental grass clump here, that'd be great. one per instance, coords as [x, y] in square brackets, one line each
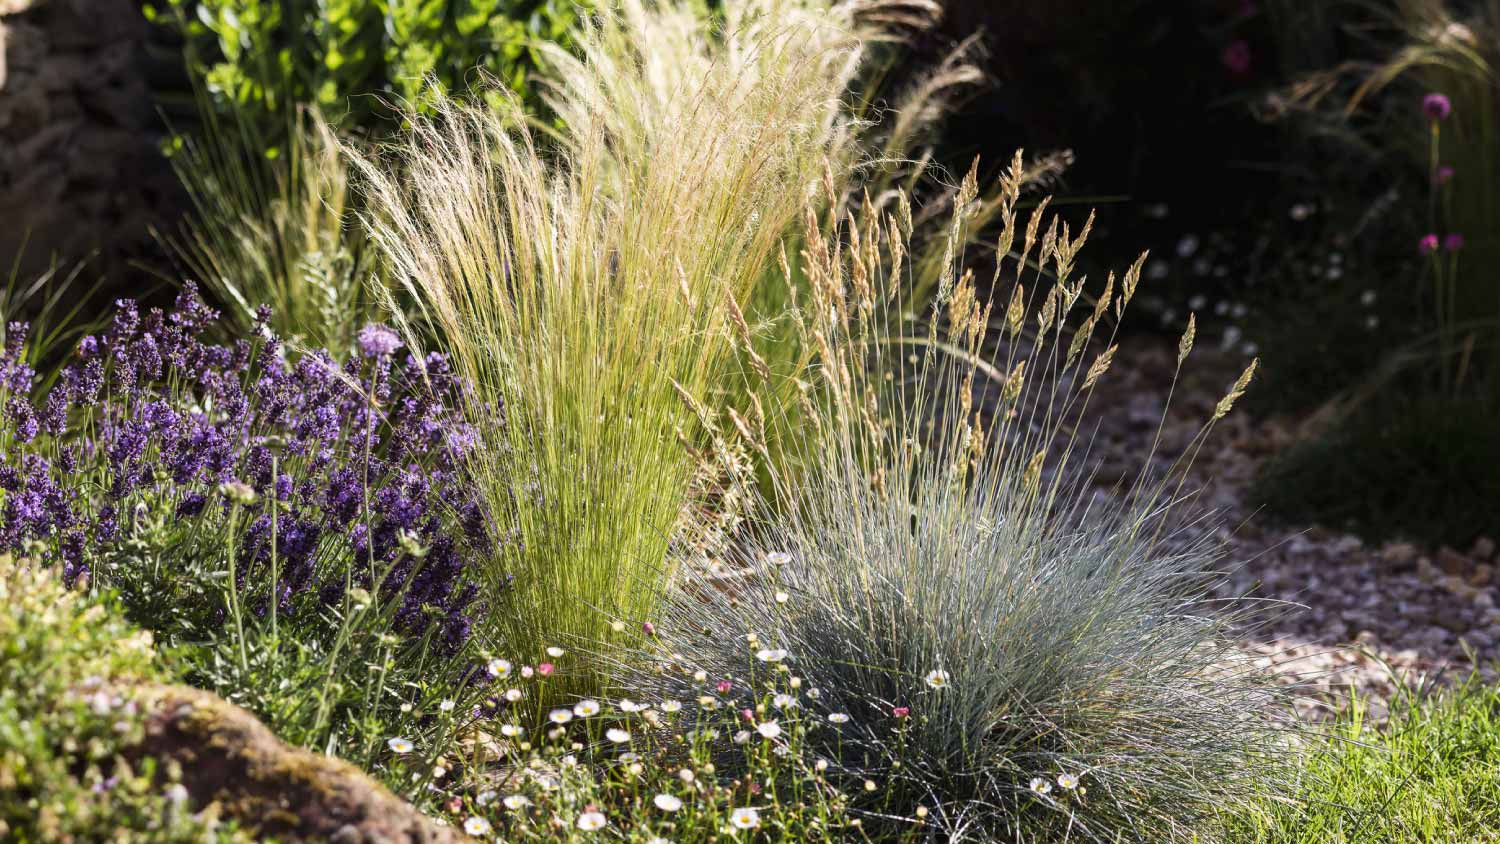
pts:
[994, 643]
[592, 282]
[298, 528]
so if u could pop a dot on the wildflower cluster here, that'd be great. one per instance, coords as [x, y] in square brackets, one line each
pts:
[727, 759]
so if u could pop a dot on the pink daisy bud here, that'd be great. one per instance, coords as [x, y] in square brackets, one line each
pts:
[1428, 244]
[1443, 175]
[649, 629]
[901, 711]
[724, 687]
[748, 714]
[545, 669]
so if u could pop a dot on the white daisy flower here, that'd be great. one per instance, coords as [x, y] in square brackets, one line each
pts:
[591, 821]
[937, 679]
[768, 729]
[499, 668]
[560, 716]
[1067, 781]
[586, 708]
[742, 737]
[770, 654]
[511, 730]
[447, 706]
[555, 652]
[617, 735]
[746, 818]
[838, 718]
[512, 695]
[400, 745]
[477, 826]
[667, 803]
[1040, 785]
[784, 701]
[485, 798]
[628, 705]
[670, 706]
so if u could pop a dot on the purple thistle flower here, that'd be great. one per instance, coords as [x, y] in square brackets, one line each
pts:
[1428, 244]
[1443, 175]
[1437, 107]
[1453, 242]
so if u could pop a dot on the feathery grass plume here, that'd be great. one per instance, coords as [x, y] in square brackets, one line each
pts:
[588, 284]
[1026, 660]
[278, 231]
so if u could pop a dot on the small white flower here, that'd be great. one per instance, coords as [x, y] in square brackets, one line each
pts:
[512, 695]
[485, 798]
[591, 821]
[686, 775]
[628, 705]
[670, 706]
[700, 676]
[657, 839]
[438, 772]
[630, 756]
[177, 793]
[555, 652]
[617, 735]
[708, 702]
[768, 729]
[511, 730]
[782, 597]
[1040, 785]
[499, 668]
[586, 708]
[516, 802]
[838, 718]
[770, 654]
[617, 626]
[447, 706]
[742, 737]
[745, 818]
[937, 679]
[477, 826]
[784, 701]
[778, 558]
[1067, 781]
[400, 745]
[560, 716]
[667, 803]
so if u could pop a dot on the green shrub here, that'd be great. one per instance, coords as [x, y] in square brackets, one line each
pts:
[1430, 774]
[1027, 660]
[355, 59]
[67, 718]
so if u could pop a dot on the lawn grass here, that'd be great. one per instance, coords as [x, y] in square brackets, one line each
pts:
[1430, 774]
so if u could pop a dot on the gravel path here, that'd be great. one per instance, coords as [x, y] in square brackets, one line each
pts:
[1341, 614]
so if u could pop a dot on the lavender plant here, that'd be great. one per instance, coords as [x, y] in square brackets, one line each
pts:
[285, 520]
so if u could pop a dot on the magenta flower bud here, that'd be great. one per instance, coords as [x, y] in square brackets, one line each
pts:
[1443, 175]
[724, 687]
[1436, 107]
[545, 669]
[1428, 244]
[747, 714]
[648, 628]
[1236, 57]
[1453, 242]
[901, 711]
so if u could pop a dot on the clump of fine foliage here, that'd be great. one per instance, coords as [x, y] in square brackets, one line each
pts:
[67, 720]
[593, 281]
[1429, 774]
[1009, 654]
